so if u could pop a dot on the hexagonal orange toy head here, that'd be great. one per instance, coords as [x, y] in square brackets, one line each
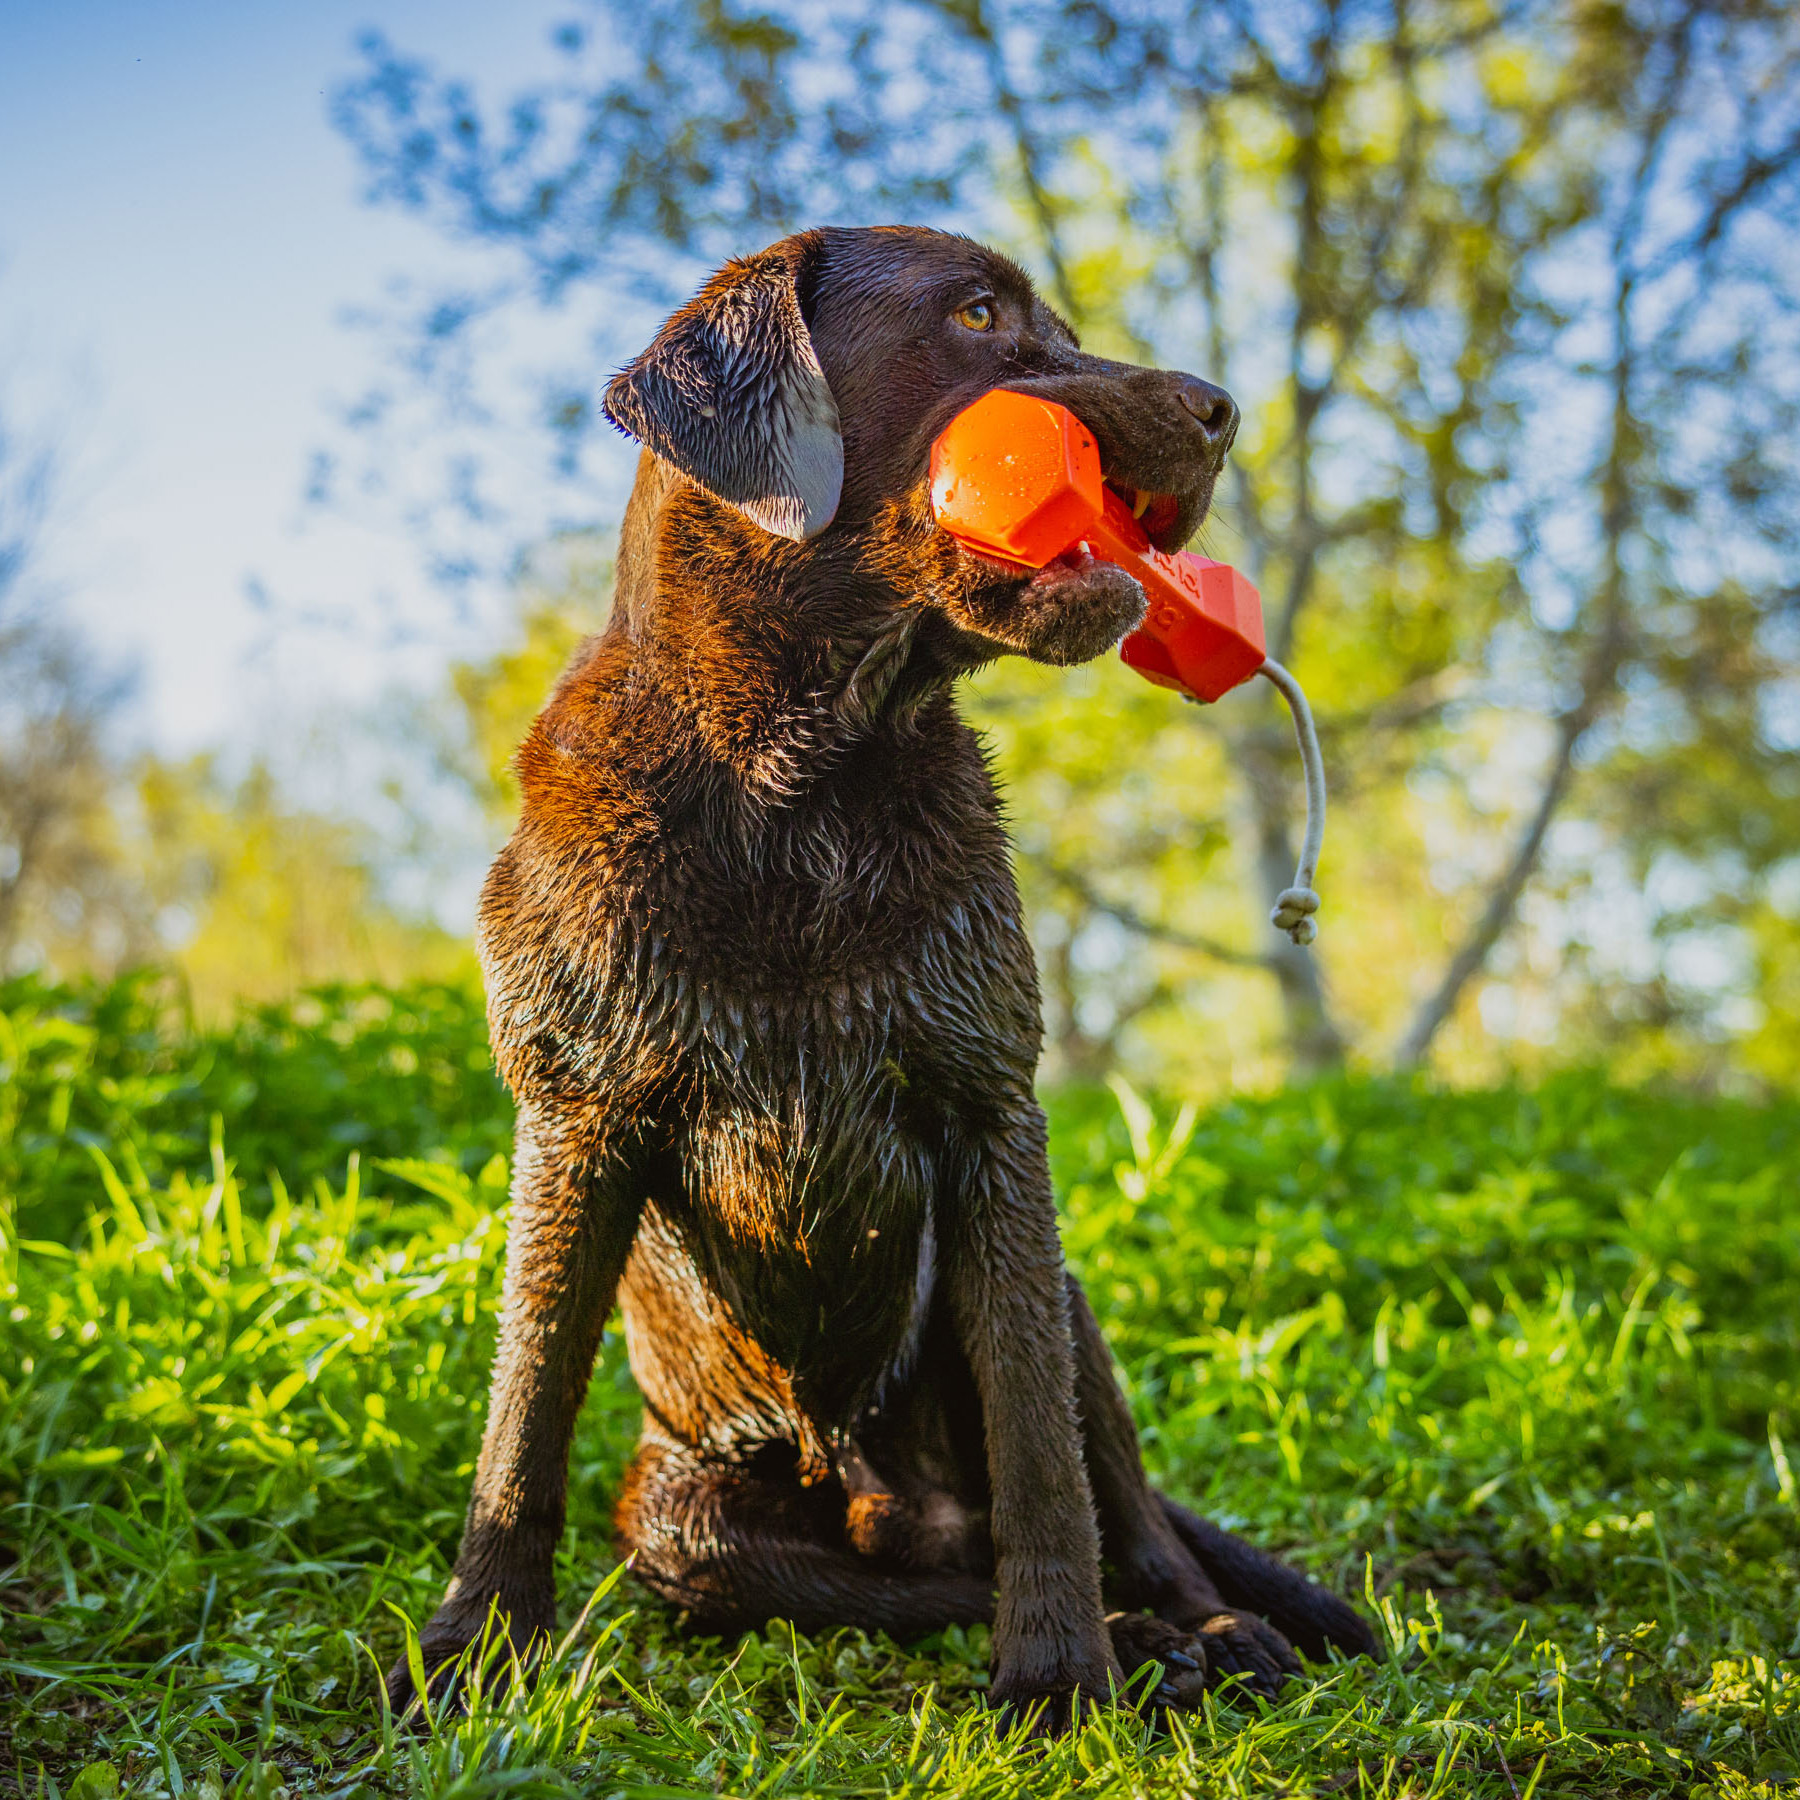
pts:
[1018, 478]
[1204, 639]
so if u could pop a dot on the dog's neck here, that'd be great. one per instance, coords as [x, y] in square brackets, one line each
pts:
[785, 655]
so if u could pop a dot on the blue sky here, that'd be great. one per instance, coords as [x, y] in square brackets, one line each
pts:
[181, 236]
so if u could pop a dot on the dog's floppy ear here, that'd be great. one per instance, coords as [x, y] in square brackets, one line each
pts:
[732, 394]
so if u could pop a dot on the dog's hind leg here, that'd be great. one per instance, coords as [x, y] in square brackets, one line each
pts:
[1181, 1566]
[1171, 1560]
[735, 1546]
[1178, 1564]
[1151, 1565]
[1307, 1614]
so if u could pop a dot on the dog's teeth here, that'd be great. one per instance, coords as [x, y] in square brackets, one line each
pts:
[1140, 506]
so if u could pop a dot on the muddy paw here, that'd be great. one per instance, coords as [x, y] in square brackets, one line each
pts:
[1049, 1712]
[1139, 1638]
[1240, 1644]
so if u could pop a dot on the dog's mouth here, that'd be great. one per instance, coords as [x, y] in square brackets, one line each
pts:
[1167, 520]
[1157, 513]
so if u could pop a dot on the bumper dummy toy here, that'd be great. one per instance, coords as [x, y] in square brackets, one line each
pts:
[1018, 479]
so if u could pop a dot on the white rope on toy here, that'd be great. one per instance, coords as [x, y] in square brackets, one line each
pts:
[1295, 906]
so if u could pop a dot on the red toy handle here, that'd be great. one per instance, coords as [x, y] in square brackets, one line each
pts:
[1018, 478]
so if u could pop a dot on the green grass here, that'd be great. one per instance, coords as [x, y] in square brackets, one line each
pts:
[1517, 1364]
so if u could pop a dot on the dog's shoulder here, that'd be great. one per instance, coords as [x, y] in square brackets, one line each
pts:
[597, 766]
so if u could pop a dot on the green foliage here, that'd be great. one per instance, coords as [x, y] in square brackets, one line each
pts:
[1521, 1361]
[271, 896]
[293, 1087]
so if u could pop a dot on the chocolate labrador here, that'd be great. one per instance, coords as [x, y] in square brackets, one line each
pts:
[758, 978]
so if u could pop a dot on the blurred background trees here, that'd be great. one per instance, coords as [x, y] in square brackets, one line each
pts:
[111, 857]
[1507, 298]
[1508, 295]
[58, 875]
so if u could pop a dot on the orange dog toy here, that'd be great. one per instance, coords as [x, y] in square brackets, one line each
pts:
[1018, 479]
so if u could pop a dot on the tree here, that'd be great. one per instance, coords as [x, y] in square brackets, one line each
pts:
[257, 897]
[1505, 292]
[61, 882]
[1685, 338]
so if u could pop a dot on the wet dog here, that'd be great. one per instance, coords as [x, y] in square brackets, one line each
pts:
[758, 979]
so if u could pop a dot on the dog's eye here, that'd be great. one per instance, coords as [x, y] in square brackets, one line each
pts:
[978, 315]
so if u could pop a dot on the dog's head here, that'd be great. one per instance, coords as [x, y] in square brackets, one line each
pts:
[804, 387]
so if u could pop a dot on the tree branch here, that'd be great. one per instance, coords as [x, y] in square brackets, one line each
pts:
[1497, 914]
[1617, 517]
[1076, 883]
[973, 21]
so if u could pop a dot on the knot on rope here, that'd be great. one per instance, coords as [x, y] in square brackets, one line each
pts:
[1294, 909]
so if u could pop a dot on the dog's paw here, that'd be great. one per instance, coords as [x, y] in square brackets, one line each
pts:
[1228, 1650]
[463, 1635]
[1182, 1666]
[1047, 1694]
[1246, 1651]
[1051, 1712]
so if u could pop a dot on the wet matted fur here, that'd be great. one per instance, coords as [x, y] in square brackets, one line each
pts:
[758, 978]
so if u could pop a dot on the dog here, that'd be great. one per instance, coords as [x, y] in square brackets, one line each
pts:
[758, 979]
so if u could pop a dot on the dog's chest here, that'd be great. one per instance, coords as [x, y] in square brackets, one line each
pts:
[812, 1017]
[816, 1224]
[863, 962]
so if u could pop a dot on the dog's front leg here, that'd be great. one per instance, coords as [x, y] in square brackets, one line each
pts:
[575, 1207]
[1010, 1303]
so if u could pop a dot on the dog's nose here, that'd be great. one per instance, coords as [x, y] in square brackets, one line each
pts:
[1213, 410]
